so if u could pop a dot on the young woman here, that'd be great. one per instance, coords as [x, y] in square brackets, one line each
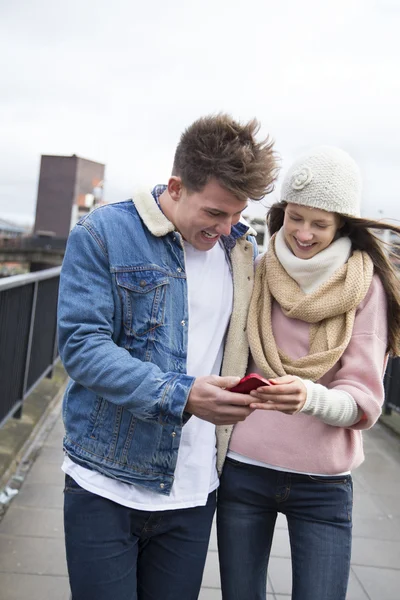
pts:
[324, 315]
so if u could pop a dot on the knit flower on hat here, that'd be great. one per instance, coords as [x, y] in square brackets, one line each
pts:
[301, 178]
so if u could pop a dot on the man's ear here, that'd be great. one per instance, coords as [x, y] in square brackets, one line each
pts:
[175, 187]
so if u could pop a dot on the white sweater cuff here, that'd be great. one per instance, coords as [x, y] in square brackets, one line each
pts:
[333, 407]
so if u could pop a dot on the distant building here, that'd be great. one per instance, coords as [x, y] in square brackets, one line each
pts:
[10, 234]
[10, 230]
[259, 225]
[69, 187]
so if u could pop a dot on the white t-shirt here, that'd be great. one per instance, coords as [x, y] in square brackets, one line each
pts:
[210, 293]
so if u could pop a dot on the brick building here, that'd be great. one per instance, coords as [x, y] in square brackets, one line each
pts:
[69, 187]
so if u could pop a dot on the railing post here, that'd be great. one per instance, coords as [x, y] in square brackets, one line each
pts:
[387, 385]
[55, 352]
[18, 413]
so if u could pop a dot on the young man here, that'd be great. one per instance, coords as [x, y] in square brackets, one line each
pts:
[146, 296]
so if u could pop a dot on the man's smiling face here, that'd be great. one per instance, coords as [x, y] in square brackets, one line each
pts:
[202, 217]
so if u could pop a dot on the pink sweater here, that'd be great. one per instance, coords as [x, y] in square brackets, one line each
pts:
[304, 443]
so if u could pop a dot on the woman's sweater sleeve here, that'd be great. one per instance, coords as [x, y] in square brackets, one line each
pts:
[333, 407]
[355, 395]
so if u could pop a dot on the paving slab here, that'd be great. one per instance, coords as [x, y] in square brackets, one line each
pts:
[375, 553]
[210, 594]
[280, 574]
[33, 556]
[367, 505]
[25, 521]
[390, 504]
[213, 538]
[380, 481]
[380, 584]
[20, 586]
[385, 527]
[52, 454]
[46, 474]
[281, 544]
[55, 437]
[211, 578]
[355, 590]
[31, 495]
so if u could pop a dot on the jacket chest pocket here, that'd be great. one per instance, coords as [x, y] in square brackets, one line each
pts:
[143, 295]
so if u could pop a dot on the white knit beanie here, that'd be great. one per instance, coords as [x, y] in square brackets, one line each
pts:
[326, 178]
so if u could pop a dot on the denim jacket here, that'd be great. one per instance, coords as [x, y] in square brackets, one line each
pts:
[123, 338]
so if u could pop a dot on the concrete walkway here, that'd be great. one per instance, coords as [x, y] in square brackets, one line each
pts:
[32, 558]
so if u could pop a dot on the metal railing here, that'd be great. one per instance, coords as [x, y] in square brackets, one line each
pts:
[28, 336]
[392, 386]
[33, 242]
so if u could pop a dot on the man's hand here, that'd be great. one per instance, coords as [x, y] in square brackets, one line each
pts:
[210, 401]
[287, 394]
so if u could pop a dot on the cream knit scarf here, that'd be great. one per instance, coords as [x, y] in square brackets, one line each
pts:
[330, 309]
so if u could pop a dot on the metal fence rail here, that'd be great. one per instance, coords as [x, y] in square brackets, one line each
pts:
[34, 242]
[392, 386]
[28, 344]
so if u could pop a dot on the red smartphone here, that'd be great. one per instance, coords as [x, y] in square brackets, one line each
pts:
[248, 383]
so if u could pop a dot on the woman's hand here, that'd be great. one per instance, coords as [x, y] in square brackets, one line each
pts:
[287, 394]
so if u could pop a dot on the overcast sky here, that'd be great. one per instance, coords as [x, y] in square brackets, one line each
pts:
[116, 81]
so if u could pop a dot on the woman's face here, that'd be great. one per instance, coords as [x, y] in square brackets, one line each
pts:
[307, 231]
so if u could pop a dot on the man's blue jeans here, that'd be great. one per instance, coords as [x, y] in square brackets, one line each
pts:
[118, 553]
[318, 511]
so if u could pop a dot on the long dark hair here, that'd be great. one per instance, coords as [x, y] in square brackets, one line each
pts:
[362, 236]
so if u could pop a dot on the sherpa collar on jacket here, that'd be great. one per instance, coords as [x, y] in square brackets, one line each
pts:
[158, 224]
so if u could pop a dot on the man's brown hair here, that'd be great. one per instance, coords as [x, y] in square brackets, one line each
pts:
[217, 147]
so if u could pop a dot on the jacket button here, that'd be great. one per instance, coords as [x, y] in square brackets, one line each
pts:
[179, 270]
[173, 434]
[162, 485]
[183, 323]
[143, 283]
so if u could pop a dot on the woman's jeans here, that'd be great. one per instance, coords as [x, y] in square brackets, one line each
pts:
[318, 512]
[118, 553]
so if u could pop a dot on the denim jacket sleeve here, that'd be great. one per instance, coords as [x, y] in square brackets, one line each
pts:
[253, 240]
[86, 312]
